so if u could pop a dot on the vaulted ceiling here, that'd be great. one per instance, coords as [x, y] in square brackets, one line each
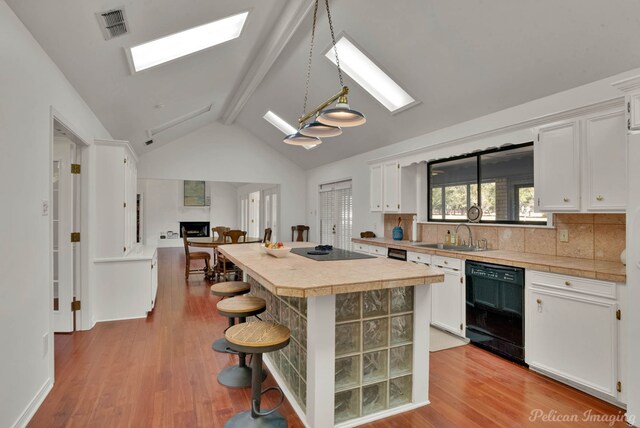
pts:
[459, 58]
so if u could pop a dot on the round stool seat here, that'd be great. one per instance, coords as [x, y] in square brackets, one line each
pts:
[241, 306]
[230, 288]
[257, 337]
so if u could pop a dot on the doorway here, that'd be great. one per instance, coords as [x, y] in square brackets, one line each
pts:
[336, 214]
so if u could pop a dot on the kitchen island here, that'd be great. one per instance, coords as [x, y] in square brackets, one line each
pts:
[359, 347]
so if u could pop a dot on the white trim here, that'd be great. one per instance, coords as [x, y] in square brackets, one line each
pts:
[33, 405]
[121, 143]
[120, 319]
[542, 120]
[381, 415]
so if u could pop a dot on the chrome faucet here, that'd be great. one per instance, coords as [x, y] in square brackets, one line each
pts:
[470, 234]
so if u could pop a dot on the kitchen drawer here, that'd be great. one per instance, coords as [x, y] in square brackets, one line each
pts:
[378, 251]
[571, 283]
[361, 248]
[448, 262]
[412, 256]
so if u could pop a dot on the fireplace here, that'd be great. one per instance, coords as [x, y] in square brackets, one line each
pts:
[195, 228]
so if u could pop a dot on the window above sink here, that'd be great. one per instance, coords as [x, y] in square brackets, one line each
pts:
[499, 181]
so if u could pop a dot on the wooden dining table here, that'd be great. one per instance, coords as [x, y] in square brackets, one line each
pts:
[211, 242]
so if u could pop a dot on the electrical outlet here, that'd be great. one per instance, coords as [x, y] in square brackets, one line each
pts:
[564, 235]
[45, 344]
[45, 208]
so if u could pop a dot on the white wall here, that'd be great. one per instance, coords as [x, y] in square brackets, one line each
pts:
[30, 85]
[163, 207]
[219, 152]
[357, 167]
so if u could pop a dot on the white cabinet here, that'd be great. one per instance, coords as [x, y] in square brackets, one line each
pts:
[115, 196]
[572, 332]
[392, 188]
[375, 188]
[580, 164]
[412, 256]
[361, 248]
[376, 250]
[557, 167]
[605, 162]
[448, 297]
[126, 287]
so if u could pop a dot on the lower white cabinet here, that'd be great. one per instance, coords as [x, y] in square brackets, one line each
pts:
[572, 332]
[361, 248]
[126, 287]
[448, 297]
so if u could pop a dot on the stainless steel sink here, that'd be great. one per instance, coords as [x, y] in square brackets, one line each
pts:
[451, 247]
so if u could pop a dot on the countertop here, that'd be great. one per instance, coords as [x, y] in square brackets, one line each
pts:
[139, 253]
[586, 268]
[298, 276]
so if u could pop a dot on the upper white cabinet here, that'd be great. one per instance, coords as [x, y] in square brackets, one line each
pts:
[393, 188]
[115, 195]
[580, 164]
[605, 162]
[557, 167]
[375, 188]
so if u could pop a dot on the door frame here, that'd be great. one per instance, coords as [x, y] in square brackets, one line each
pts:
[83, 317]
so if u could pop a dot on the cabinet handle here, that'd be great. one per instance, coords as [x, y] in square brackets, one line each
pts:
[539, 301]
[418, 257]
[567, 283]
[387, 206]
[446, 262]
[378, 206]
[566, 199]
[600, 198]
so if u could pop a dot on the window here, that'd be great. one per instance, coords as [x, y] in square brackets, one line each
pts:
[499, 181]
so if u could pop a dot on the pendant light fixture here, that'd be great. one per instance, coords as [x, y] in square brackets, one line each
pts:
[327, 122]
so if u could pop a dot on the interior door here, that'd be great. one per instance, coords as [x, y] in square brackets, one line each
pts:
[336, 214]
[270, 211]
[62, 220]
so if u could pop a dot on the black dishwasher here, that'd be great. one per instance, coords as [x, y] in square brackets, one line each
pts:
[495, 309]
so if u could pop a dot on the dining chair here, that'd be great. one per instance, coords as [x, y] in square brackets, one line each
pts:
[367, 234]
[300, 229]
[235, 235]
[219, 230]
[267, 235]
[194, 255]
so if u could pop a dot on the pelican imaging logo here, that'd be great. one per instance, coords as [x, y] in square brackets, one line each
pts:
[551, 416]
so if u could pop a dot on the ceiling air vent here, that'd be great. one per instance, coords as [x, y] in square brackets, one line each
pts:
[113, 23]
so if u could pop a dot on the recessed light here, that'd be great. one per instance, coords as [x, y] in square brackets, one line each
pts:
[186, 42]
[368, 75]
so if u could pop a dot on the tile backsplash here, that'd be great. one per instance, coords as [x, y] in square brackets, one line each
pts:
[591, 236]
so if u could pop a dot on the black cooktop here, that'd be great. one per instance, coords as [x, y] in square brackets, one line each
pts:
[325, 254]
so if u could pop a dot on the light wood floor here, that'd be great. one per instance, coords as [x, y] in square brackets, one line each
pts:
[161, 372]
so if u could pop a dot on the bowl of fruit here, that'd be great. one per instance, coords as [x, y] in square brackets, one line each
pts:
[276, 249]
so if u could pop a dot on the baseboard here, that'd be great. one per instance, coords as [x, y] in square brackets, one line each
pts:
[33, 406]
[121, 319]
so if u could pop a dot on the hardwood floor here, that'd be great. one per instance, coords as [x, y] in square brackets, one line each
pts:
[161, 372]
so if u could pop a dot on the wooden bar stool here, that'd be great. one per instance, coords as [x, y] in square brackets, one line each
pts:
[241, 307]
[228, 289]
[258, 337]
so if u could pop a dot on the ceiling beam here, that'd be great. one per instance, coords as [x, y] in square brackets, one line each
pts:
[290, 19]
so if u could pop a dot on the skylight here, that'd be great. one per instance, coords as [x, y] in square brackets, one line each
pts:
[186, 42]
[283, 126]
[368, 75]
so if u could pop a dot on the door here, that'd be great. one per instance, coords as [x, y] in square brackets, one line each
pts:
[336, 214]
[606, 172]
[254, 215]
[375, 188]
[557, 167]
[270, 211]
[447, 302]
[391, 187]
[62, 215]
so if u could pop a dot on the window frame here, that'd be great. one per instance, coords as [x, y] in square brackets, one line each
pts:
[477, 156]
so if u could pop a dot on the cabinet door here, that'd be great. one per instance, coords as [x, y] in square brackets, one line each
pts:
[557, 167]
[447, 303]
[391, 187]
[573, 337]
[606, 164]
[375, 188]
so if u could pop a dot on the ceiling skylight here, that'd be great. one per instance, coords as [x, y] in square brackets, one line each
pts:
[368, 75]
[186, 42]
[283, 126]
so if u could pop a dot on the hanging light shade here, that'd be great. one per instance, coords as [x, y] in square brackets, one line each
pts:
[299, 139]
[320, 130]
[341, 115]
